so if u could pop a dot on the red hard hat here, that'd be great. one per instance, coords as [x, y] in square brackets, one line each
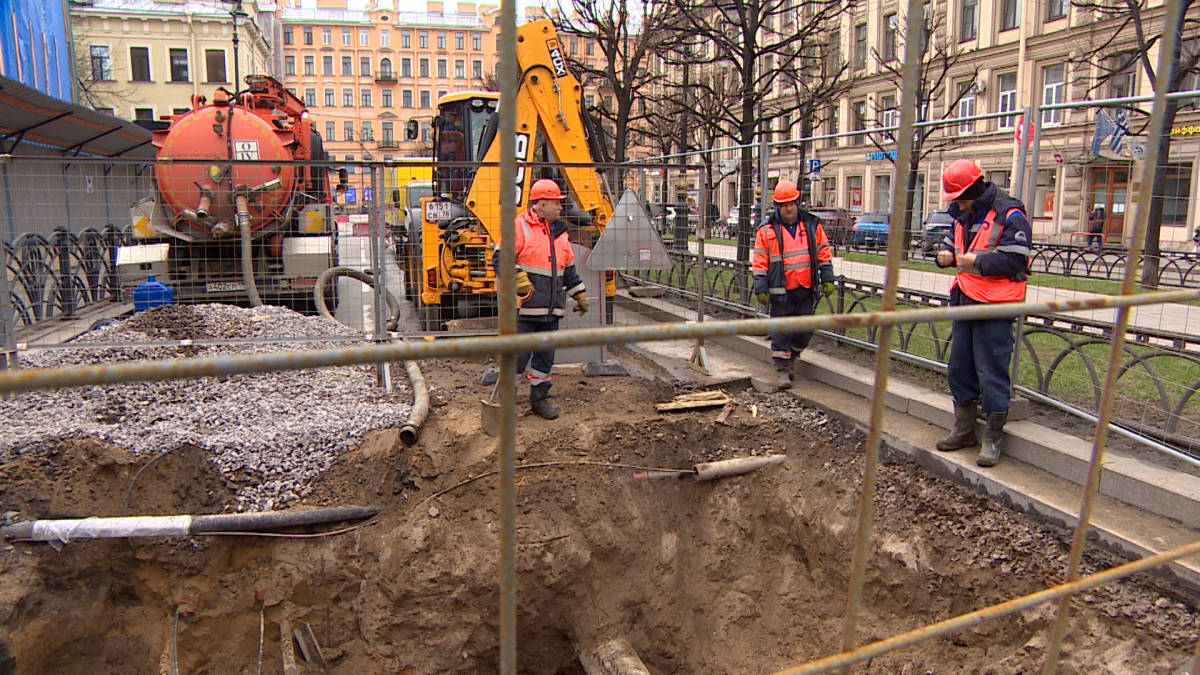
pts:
[785, 191]
[960, 175]
[545, 189]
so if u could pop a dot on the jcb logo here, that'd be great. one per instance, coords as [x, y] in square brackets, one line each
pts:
[522, 154]
[556, 58]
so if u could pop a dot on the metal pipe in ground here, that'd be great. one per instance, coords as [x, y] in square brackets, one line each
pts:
[615, 657]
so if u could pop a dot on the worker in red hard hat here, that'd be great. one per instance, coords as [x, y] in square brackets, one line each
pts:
[990, 246]
[546, 275]
[792, 264]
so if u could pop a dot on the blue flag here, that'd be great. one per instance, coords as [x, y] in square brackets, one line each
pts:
[1104, 129]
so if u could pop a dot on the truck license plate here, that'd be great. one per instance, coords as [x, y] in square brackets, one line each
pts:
[437, 211]
[224, 286]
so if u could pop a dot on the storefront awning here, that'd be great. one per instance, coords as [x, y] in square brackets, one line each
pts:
[27, 115]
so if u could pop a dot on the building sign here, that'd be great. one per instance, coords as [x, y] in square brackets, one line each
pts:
[350, 195]
[881, 155]
[1186, 131]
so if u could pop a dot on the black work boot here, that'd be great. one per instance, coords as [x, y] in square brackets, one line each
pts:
[537, 401]
[989, 454]
[783, 374]
[963, 435]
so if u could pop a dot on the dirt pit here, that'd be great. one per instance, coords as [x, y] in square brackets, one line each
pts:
[744, 574]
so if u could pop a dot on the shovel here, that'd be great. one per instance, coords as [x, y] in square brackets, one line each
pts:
[489, 412]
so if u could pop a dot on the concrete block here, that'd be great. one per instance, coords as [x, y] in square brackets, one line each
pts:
[647, 291]
[1153, 488]
[1059, 454]
[609, 369]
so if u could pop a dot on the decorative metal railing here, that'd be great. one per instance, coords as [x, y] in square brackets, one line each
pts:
[59, 275]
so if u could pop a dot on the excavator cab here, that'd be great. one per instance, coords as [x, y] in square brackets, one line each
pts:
[457, 130]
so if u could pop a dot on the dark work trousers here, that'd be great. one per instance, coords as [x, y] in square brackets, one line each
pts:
[543, 361]
[796, 302]
[979, 358]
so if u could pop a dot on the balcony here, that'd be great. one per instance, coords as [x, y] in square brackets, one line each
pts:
[388, 143]
[385, 77]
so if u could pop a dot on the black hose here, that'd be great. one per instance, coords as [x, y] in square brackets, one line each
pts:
[272, 520]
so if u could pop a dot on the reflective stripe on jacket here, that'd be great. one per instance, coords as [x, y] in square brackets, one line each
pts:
[543, 251]
[779, 269]
[981, 288]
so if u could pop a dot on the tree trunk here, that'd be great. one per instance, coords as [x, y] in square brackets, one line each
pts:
[1150, 263]
[909, 201]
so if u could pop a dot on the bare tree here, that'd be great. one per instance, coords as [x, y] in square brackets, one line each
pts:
[97, 88]
[940, 68]
[765, 43]
[1132, 29]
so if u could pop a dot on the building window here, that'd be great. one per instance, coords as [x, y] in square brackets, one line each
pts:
[834, 55]
[287, 36]
[887, 118]
[891, 24]
[477, 69]
[441, 71]
[589, 48]
[460, 68]
[327, 66]
[367, 133]
[366, 98]
[364, 37]
[459, 41]
[1123, 80]
[441, 94]
[589, 101]
[883, 194]
[1010, 14]
[386, 133]
[1056, 9]
[330, 98]
[327, 36]
[406, 67]
[348, 65]
[101, 64]
[310, 66]
[423, 39]
[143, 114]
[834, 125]
[406, 98]
[385, 38]
[1000, 178]
[966, 107]
[423, 68]
[860, 46]
[1053, 91]
[348, 98]
[179, 65]
[1008, 99]
[289, 65]
[310, 98]
[860, 122]
[441, 39]
[139, 63]
[386, 98]
[364, 66]
[348, 134]
[970, 20]
[330, 131]
[385, 68]
[1176, 194]
[425, 100]
[574, 46]
[346, 37]
[477, 41]
[308, 35]
[350, 158]
[424, 132]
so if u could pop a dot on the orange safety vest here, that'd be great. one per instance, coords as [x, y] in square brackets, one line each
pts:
[794, 254]
[534, 248]
[975, 285]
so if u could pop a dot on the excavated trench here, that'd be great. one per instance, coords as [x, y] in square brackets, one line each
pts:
[743, 574]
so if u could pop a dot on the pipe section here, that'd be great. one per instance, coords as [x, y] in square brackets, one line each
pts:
[735, 467]
[420, 408]
[243, 220]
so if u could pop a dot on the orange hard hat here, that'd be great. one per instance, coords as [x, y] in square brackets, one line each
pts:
[960, 175]
[785, 191]
[545, 189]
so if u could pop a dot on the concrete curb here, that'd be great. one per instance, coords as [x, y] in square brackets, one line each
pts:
[1127, 479]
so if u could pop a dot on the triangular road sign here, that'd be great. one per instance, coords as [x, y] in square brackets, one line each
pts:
[629, 242]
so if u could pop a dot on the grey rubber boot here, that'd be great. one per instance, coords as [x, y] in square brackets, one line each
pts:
[989, 454]
[783, 375]
[963, 435]
[795, 364]
[537, 401]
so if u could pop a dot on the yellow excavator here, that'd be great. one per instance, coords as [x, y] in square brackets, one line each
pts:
[447, 260]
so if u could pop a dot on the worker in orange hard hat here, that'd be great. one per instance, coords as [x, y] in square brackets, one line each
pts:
[546, 275]
[990, 247]
[791, 255]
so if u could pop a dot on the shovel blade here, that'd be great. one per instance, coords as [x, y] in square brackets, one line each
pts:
[489, 418]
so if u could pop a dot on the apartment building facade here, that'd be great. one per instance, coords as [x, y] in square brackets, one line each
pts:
[144, 59]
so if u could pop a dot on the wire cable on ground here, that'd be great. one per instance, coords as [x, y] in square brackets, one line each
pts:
[540, 465]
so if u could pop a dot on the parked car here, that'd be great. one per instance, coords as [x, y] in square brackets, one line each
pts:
[871, 229]
[732, 220]
[837, 224]
[938, 226]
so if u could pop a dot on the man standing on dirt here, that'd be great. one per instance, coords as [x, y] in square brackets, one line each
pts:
[546, 275]
[790, 250]
[990, 247]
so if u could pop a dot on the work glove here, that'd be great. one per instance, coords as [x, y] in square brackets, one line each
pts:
[524, 285]
[764, 298]
[828, 288]
[581, 303]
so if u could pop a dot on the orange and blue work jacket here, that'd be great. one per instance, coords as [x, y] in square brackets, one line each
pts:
[544, 253]
[778, 268]
[997, 232]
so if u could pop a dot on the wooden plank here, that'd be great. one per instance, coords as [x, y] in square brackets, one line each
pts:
[723, 418]
[689, 405]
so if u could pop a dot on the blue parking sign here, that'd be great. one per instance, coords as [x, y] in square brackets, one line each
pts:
[814, 166]
[350, 195]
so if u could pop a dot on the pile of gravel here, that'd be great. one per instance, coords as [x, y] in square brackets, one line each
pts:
[269, 435]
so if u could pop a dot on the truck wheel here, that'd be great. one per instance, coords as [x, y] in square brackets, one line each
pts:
[432, 318]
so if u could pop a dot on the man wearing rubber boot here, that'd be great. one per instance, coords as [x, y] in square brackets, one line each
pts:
[791, 252]
[546, 275]
[990, 247]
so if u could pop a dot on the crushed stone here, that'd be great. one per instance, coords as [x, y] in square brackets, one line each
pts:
[269, 434]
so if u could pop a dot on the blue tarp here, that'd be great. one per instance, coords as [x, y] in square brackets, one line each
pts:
[35, 46]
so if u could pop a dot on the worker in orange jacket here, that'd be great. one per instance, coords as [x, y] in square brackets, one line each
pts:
[546, 275]
[791, 254]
